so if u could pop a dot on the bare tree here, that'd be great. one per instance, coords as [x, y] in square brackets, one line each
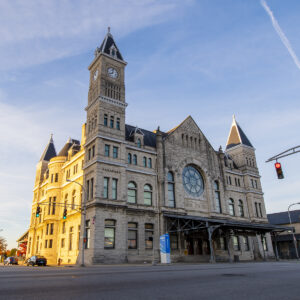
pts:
[3, 245]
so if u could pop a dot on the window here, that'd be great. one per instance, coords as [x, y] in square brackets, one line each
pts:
[217, 197]
[87, 234]
[105, 187]
[49, 206]
[89, 154]
[132, 235]
[149, 163]
[111, 124]
[139, 143]
[255, 182]
[109, 234]
[131, 193]
[47, 229]
[241, 208]
[50, 243]
[93, 152]
[106, 150]
[171, 190]
[53, 205]
[51, 228]
[46, 243]
[231, 207]
[115, 152]
[73, 199]
[71, 238]
[149, 232]
[118, 124]
[256, 209]
[63, 230]
[246, 243]
[260, 209]
[51, 178]
[56, 177]
[129, 158]
[147, 194]
[105, 120]
[145, 162]
[91, 193]
[62, 243]
[134, 159]
[236, 243]
[174, 241]
[114, 188]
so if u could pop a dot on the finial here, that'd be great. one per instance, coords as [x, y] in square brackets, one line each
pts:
[108, 29]
[233, 117]
[51, 137]
[220, 149]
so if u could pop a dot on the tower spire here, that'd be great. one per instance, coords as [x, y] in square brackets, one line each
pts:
[49, 151]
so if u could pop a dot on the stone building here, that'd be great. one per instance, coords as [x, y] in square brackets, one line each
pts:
[140, 184]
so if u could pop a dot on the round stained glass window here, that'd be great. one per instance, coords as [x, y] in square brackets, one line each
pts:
[192, 181]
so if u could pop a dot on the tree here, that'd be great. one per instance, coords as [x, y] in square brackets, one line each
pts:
[3, 245]
[13, 252]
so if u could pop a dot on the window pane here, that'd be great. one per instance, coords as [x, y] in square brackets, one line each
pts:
[114, 188]
[148, 198]
[109, 237]
[170, 176]
[105, 187]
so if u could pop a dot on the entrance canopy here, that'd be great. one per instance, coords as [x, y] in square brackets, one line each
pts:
[181, 223]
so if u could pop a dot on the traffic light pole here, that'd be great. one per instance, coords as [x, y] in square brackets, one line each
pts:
[84, 220]
[294, 238]
[285, 153]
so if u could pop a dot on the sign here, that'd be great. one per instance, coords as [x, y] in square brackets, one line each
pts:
[164, 242]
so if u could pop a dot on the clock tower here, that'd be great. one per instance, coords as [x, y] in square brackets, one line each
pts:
[105, 152]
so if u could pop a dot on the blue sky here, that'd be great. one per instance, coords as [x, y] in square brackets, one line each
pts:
[207, 58]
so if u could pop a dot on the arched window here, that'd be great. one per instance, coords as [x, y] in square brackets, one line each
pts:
[231, 207]
[217, 197]
[73, 199]
[134, 159]
[171, 190]
[118, 124]
[147, 194]
[112, 121]
[145, 162]
[149, 163]
[139, 143]
[132, 192]
[129, 158]
[241, 208]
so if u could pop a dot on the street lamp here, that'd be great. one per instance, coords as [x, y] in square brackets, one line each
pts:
[294, 238]
[84, 220]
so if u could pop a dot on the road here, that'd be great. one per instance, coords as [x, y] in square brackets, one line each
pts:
[266, 280]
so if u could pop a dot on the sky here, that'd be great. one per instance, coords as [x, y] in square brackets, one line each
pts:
[206, 58]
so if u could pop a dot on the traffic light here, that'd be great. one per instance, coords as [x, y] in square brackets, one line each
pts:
[65, 214]
[38, 210]
[279, 170]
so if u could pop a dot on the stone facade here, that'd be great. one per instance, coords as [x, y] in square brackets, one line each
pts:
[137, 182]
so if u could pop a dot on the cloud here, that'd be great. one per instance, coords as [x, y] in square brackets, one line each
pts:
[281, 34]
[40, 31]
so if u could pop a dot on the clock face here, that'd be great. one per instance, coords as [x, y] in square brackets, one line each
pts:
[95, 75]
[112, 73]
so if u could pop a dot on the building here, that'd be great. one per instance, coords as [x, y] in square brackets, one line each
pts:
[140, 184]
[284, 241]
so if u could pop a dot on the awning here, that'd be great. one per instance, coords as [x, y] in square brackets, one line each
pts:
[202, 222]
[287, 237]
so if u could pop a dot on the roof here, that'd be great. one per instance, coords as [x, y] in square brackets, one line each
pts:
[149, 136]
[232, 223]
[287, 237]
[107, 44]
[67, 146]
[237, 136]
[283, 217]
[49, 151]
[23, 237]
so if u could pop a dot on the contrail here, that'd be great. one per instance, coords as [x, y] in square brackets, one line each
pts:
[281, 34]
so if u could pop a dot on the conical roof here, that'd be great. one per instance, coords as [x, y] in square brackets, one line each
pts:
[237, 136]
[49, 151]
[109, 47]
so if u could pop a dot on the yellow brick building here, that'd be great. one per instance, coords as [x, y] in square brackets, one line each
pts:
[49, 234]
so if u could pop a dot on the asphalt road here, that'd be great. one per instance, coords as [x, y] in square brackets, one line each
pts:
[267, 280]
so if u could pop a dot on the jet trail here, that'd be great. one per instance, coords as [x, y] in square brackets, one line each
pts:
[281, 34]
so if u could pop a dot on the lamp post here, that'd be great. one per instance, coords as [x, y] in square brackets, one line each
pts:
[294, 238]
[84, 220]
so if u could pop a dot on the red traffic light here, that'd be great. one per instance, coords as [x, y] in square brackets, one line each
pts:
[279, 170]
[277, 165]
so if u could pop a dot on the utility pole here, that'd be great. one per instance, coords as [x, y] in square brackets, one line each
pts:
[294, 238]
